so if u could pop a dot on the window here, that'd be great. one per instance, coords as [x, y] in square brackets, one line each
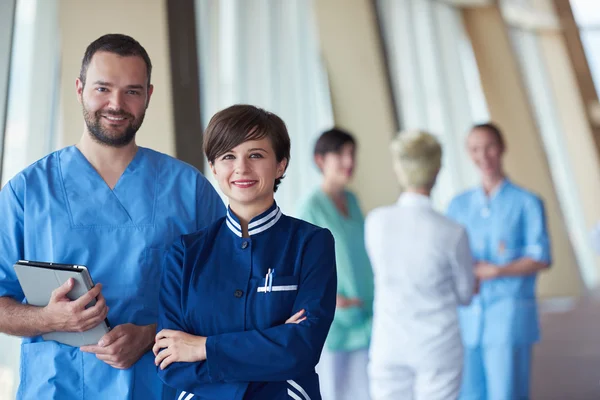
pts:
[33, 91]
[435, 82]
[7, 12]
[541, 98]
[265, 53]
[587, 16]
[30, 119]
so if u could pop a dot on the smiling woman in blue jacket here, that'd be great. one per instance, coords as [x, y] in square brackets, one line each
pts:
[246, 304]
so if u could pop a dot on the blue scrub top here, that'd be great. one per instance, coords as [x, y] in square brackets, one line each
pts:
[214, 284]
[61, 210]
[504, 227]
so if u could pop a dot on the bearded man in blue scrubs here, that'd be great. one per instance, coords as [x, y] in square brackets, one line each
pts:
[110, 205]
[508, 237]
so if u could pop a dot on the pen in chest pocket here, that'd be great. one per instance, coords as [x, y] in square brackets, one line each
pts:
[280, 286]
[269, 280]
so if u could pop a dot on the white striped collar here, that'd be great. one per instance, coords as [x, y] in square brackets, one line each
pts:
[258, 224]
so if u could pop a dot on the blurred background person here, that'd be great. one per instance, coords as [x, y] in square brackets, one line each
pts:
[423, 271]
[343, 365]
[509, 239]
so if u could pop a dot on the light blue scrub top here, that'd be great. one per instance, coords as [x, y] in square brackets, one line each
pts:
[508, 225]
[60, 210]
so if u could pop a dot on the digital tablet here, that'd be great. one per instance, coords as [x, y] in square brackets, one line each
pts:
[39, 279]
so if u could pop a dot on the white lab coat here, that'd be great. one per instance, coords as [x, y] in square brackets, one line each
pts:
[423, 271]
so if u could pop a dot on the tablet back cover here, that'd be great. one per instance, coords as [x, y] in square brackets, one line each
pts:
[39, 283]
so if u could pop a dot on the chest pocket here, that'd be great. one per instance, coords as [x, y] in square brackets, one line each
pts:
[509, 244]
[271, 305]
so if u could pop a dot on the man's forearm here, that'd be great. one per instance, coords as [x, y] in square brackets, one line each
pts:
[22, 319]
[151, 334]
[522, 266]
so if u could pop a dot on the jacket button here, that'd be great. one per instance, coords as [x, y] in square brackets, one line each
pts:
[238, 293]
[244, 244]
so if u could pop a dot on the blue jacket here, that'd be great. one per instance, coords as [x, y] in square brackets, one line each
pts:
[215, 284]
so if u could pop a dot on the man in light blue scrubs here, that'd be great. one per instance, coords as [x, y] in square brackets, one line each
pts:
[112, 206]
[509, 240]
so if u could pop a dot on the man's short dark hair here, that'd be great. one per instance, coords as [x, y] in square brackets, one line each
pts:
[116, 43]
[494, 130]
[240, 123]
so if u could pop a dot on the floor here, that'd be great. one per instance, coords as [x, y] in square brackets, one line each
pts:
[566, 362]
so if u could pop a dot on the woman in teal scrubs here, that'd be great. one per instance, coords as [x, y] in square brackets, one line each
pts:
[509, 240]
[343, 365]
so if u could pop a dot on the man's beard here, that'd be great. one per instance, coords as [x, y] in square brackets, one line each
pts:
[110, 137]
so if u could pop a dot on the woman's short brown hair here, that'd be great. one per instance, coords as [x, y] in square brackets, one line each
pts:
[239, 123]
[332, 141]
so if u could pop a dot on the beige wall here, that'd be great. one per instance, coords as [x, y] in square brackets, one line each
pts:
[83, 21]
[526, 161]
[361, 97]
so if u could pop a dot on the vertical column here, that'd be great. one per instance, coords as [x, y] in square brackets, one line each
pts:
[185, 82]
[360, 91]
[526, 161]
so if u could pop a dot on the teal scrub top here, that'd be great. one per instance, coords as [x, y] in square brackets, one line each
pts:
[504, 227]
[351, 328]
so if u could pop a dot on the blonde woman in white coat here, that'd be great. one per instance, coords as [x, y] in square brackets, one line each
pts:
[423, 272]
